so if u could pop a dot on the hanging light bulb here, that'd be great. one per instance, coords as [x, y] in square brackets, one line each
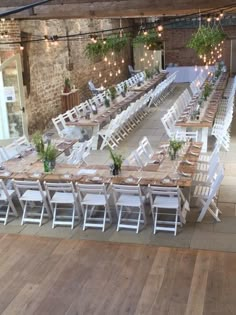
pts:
[217, 18]
[208, 19]
[160, 28]
[100, 75]
[144, 46]
[200, 56]
[123, 61]
[21, 47]
[105, 81]
[221, 14]
[104, 41]
[145, 32]
[112, 53]
[110, 74]
[118, 71]
[105, 58]
[116, 74]
[206, 66]
[109, 63]
[102, 87]
[159, 34]
[94, 68]
[145, 54]
[115, 63]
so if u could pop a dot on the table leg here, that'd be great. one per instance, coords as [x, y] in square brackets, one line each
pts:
[204, 139]
[95, 139]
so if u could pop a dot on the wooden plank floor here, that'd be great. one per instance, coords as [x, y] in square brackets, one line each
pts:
[51, 276]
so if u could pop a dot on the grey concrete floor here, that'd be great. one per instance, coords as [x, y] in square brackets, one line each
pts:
[208, 234]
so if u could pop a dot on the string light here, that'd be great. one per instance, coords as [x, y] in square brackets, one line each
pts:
[100, 75]
[110, 74]
[160, 28]
[119, 71]
[94, 68]
[21, 47]
[105, 81]
[123, 61]
[105, 58]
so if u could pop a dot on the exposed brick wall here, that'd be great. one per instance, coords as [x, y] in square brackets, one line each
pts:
[49, 67]
[176, 51]
[12, 30]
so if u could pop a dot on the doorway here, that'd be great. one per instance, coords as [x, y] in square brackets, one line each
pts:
[13, 123]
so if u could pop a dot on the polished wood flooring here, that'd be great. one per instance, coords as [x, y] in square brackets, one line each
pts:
[52, 276]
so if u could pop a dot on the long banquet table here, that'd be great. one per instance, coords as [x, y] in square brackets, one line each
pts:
[210, 109]
[96, 122]
[164, 172]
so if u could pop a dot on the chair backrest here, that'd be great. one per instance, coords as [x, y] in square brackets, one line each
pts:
[3, 189]
[216, 183]
[52, 188]
[22, 185]
[3, 155]
[126, 190]
[96, 189]
[160, 191]
[88, 147]
[147, 147]
[133, 160]
[76, 155]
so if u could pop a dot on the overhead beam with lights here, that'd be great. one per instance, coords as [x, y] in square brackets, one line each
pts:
[109, 8]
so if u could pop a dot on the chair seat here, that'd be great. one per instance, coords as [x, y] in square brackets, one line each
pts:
[32, 195]
[166, 202]
[3, 196]
[94, 199]
[129, 201]
[62, 197]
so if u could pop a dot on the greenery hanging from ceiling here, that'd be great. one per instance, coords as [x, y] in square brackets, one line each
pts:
[101, 47]
[205, 39]
[150, 39]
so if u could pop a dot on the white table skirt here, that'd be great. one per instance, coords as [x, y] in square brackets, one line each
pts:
[186, 74]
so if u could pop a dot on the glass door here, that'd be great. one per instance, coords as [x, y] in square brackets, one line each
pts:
[12, 104]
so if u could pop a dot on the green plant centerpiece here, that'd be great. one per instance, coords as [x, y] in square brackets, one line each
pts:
[125, 88]
[49, 156]
[207, 90]
[67, 86]
[38, 142]
[107, 99]
[117, 160]
[113, 92]
[46, 152]
[174, 147]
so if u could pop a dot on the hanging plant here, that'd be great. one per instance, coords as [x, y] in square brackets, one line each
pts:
[205, 39]
[151, 39]
[101, 48]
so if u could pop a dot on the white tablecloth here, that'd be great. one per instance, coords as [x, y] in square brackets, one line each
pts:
[186, 74]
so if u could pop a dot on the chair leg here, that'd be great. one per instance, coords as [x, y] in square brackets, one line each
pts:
[73, 218]
[119, 219]
[85, 218]
[7, 214]
[54, 215]
[104, 219]
[176, 222]
[41, 216]
[24, 213]
[155, 220]
[139, 218]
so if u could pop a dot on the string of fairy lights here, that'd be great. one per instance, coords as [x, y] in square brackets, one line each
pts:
[114, 60]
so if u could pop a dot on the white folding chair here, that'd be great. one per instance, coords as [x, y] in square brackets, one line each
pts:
[63, 202]
[147, 147]
[163, 200]
[129, 204]
[206, 195]
[33, 201]
[7, 207]
[94, 203]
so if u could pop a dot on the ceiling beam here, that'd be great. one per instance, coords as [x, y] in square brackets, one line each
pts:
[114, 9]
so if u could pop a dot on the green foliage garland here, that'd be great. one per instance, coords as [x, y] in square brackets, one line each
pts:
[113, 43]
[151, 39]
[205, 39]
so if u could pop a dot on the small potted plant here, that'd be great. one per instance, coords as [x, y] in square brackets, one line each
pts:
[67, 86]
[117, 162]
[113, 92]
[49, 157]
[174, 147]
[123, 93]
[107, 99]
[38, 142]
[207, 90]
